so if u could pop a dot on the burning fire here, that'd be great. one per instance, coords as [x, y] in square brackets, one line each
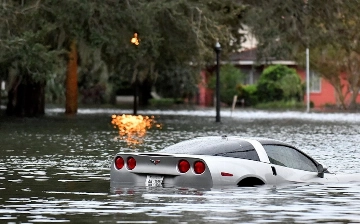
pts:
[132, 128]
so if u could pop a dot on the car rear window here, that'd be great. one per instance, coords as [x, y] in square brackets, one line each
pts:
[242, 153]
[214, 146]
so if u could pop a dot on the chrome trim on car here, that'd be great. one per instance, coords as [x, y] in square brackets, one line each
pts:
[155, 162]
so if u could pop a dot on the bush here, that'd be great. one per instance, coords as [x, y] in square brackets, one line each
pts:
[312, 105]
[230, 77]
[279, 83]
[248, 93]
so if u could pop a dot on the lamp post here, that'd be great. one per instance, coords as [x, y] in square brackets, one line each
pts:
[217, 51]
[307, 81]
[135, 97]
[136, 41]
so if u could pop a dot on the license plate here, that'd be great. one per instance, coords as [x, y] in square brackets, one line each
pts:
[154, 181]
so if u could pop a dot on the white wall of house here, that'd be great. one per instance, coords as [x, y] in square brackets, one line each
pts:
[250, 40]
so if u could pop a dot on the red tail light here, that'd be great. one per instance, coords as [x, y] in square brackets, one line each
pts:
[131, 163]
[119, 163]
[199, 167]
[183, 166]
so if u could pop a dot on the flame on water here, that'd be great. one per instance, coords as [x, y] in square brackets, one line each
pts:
[133, 128]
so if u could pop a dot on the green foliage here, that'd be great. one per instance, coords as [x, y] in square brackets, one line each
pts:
[291, 86]
[172, 34]
[279, 82]
[330, 31]
[177, 81]
[176, 39]
[312, 104]
[290, 104]
[230, 78]
[293, 26]
[24, 47]
[55, 89]
[248, 93]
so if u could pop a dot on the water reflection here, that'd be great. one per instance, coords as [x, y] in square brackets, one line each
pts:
[133, 128]
[281, 204]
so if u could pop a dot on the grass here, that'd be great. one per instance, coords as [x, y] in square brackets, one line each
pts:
[281, 105]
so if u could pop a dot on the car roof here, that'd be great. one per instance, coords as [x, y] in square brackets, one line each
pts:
[214, 145]
[269, 141]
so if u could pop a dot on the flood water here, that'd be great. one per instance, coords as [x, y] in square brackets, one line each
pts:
[56, 169]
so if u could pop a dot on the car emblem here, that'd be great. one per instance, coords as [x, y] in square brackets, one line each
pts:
[155, 162]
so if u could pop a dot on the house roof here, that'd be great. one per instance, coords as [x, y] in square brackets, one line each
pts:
[249, 57]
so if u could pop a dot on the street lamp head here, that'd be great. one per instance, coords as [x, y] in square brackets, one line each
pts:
[135, 40]
[217, 46]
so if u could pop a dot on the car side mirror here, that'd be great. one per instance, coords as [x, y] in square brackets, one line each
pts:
[321, 170]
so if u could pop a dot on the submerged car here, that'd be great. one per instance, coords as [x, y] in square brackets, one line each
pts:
[218, 161]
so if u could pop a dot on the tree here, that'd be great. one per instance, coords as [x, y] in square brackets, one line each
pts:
[293, 26]
[25, 56]
[352, 67]
[230, 78]
[71, 80]
[328, 62]
[347, 30]
[177, 37]
[50, 28]
[172, 34]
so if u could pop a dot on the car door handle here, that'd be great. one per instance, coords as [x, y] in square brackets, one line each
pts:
[273, 170]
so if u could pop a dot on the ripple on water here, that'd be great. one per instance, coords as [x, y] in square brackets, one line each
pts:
[56, 169]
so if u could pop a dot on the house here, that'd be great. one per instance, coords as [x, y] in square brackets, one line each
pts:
[322, 93]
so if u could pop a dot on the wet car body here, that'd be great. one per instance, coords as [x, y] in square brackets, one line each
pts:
[218, 161]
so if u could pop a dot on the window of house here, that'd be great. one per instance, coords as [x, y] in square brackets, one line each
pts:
[289, 157]
[315, 82]
[353, 91]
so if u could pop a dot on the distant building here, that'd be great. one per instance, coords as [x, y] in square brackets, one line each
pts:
[322, 93]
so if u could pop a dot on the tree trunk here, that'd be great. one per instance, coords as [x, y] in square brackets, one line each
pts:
[71, 81]
[340, 97]
[136, 96]
[145, 94]
[10, 106]
[354, 95]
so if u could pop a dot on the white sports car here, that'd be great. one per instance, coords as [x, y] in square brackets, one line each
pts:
[208, 162]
